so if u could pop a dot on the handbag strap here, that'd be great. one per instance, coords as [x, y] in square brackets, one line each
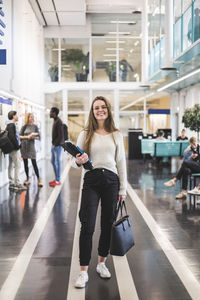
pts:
[120, 206]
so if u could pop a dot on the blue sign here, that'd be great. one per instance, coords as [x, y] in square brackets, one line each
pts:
[5, 101]
[2, 26]
[159, 111]
[2, 56]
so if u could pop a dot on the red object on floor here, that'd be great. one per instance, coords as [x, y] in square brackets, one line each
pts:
[55, 183]
[52, 182]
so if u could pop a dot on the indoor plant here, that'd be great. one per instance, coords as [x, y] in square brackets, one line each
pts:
[191, 119]
[79, 60]
[53, 72]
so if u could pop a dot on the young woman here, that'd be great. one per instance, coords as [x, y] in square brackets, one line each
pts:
[28, 134]
[191, 164]
[103, 143]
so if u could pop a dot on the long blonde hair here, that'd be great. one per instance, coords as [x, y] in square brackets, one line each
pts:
[92, 124]
[26, 119]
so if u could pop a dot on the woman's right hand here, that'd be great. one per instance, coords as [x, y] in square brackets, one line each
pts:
[81, 158]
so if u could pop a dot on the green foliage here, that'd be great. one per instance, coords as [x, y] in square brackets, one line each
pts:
[76, 57]
[191, 118]
[111, 70]
[53, 72]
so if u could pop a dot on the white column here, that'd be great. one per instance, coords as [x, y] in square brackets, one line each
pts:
[169, 32]
[116, 107]
[65, 106]
[90, 59]
[145, 41]
[117, 52]
[145, 116]
[90, 98]
[136, 121]
[59, 60]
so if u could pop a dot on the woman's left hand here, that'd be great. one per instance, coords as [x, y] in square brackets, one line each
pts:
[121, 197]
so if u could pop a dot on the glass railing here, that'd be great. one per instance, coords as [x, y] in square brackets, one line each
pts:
[186, 32]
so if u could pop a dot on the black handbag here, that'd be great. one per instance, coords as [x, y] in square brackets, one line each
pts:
[121, 233]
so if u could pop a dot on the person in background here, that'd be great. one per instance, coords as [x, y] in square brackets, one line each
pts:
[191, 164]
[107, 181]
[56, 149]
[14, 156]
[182, 137]
[160, 136]
[28, 134]
[124, 66]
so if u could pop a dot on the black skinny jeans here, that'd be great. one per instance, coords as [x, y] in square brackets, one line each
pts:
[35, 167]
[187, 168]
[98, 184]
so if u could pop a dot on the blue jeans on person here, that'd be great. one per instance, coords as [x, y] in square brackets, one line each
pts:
[56, 161]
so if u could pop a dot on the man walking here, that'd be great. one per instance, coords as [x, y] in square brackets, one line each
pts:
[14, 156]
[56, 149]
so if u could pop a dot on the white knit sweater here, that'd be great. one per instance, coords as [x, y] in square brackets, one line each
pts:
[109, 154]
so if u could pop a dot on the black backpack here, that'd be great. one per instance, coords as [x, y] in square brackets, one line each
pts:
[65, 132]
[5, 144]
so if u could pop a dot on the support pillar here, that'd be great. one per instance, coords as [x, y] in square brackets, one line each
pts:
[169, 33]
[145, 42]
[65, 106]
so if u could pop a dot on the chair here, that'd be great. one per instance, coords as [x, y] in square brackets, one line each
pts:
[193, 178]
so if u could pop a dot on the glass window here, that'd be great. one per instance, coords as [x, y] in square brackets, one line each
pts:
[130, 59]
[51, 59]
[78, 101]
[186, 4]
[177, 38]
[74, 59]
[177, 9]
[104, 59]
[187, 28]
[196, 20]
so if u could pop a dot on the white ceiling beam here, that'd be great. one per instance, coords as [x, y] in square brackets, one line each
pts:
[72, 18]
[46, 5]
[66, 5]
[50, 18]
[37, 12]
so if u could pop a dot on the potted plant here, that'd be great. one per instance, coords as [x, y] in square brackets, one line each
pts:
[53, 72]
[111, 70]
[191, 119]
[79, 60]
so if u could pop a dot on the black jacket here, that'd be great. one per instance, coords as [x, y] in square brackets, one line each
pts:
[11, 128]
[57, 132]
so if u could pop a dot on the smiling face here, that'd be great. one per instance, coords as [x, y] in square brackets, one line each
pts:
[31, 119]
[100, 110]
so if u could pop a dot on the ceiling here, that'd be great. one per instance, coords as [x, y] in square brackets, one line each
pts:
[74, 13]
[62, 12]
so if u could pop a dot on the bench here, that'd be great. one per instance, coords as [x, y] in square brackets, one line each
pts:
[163, 149]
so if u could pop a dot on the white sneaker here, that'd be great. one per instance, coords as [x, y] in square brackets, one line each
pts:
[194, 191]
[103, 270]
[82, 280]
[181, 195]
[170, 183]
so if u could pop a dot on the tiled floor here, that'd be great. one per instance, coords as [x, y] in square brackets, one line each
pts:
[48, 272]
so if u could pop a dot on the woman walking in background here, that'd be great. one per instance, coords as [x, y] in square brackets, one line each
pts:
[28, 134]
[107, 181]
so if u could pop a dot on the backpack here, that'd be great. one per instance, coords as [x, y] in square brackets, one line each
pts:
[5, 144]
[65, 132]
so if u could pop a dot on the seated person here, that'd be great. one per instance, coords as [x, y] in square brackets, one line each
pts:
[160, 136]
[182, 137]
[191, 164]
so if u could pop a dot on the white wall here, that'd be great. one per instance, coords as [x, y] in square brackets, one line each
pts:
[23, 75]
[28, 49]
[5, 70]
